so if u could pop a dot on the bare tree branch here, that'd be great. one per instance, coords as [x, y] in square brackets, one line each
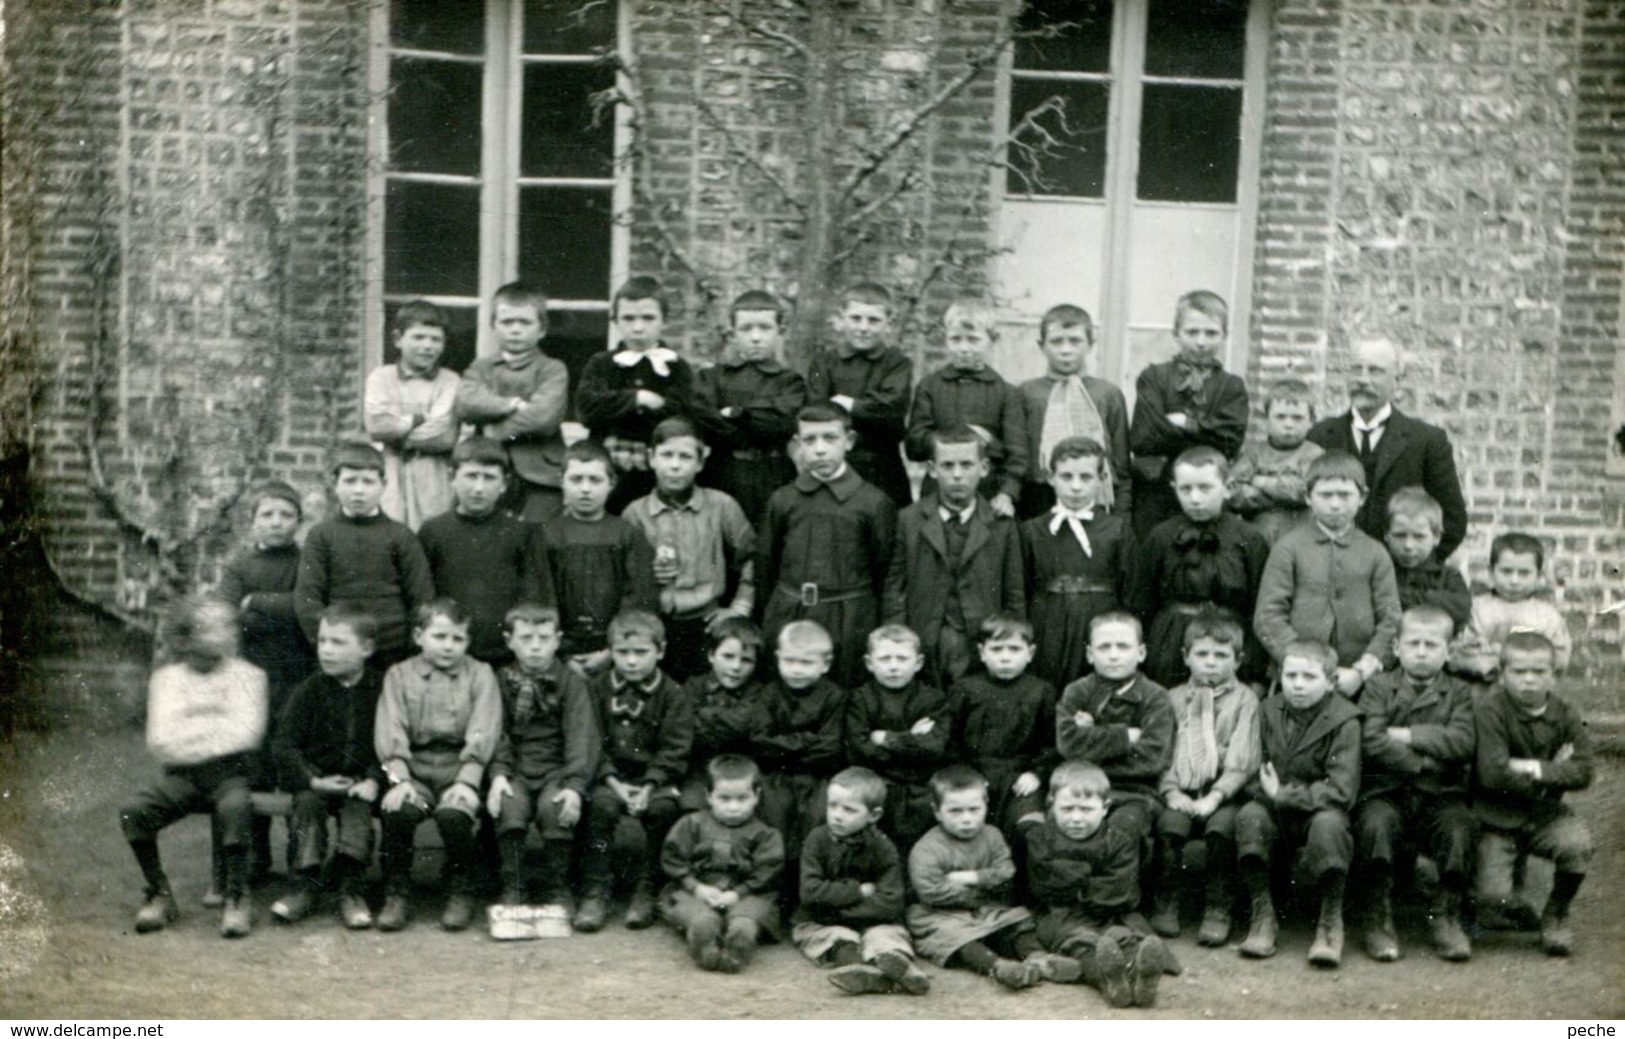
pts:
[731, 143]
[756, 28]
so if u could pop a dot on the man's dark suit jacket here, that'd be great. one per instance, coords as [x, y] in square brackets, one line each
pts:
[1409, 452]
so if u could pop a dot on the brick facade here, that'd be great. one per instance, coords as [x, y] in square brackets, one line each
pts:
[186, 215]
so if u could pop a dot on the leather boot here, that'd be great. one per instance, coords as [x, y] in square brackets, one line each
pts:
[1381, 942]
[1260, 941]
[1444, 921]
[1327, 948]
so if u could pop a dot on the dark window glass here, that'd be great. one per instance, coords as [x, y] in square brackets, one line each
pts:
[1076, 163]
[431, 239]
[573, 336]
[564, 27]
[1204, 39]
[564, 240]
[1081, 40]
[457, 26]
[434, 116]
[560, 136]
[462, 334]
[1190, 143]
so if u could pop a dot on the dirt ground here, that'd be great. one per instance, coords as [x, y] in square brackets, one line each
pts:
[68, 889]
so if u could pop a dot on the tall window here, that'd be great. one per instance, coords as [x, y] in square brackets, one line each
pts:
[1140, 185]
[495, 166]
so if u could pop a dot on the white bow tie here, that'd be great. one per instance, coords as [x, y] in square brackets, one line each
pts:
[660, 359]
[1061, 514]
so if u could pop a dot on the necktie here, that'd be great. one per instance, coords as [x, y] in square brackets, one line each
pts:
[660, 359]
[1061, 514]
[1366, 454]
[1071, 412]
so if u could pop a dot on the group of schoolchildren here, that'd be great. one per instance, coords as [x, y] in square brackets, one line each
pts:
[994, 718]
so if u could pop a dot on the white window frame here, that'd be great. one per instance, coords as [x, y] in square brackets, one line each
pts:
[1127, 80]
[502, 97]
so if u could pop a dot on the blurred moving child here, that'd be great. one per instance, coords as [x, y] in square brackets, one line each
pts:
[437, 726]
[518, 397]
[1266, 485]
[724, 865]
[966, 392]
[869, 381]
[409, 409]
[324, 748]
[756, 399]
[206, 716]
[1064, 403]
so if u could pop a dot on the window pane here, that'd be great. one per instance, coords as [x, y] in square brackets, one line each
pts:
[1082, 40]
[431, 239]
[564, 240]
[1200, 38]
[561, 27]
[559, 135]
[1190, 143]
[457, 26]
[461, 335]
[434, 116]
[1076, 163]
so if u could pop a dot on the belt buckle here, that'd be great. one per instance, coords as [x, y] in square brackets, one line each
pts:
[809, 594]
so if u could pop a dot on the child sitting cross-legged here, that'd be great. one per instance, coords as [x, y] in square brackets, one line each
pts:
[724, 864]
[961, 873]
[851, 914]
[1084, 877]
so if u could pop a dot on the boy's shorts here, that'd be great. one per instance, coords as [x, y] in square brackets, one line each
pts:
[532, 799]
[1325, 836]
[1222, 823]
[433, 773]
[220, 787]
[309, 827]
[816, 940]
[683, 910]
[1564, 839]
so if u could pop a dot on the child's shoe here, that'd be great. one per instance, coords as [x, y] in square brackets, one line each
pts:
[458, 914]
[640, 912]
[395, 914]
[1450, 942]
[1151, 959]
[590, 916]
[1111, 970]
[1327, 948]
[1053, 967]
[1016, 974]
[236, 918]
[1215, 929]
[860, 979]
[354, 912]
[738, 945]
[157, 912]
[212, 898]
[904, 972]
[1556, 936]
[1165, 914]
[1260, 941]
[1381, 941]
[294, 906]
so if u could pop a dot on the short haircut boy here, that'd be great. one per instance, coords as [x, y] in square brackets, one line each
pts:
[584, 452]
[632, 623]
[1335, 465]
[867, 292]
[522, 294]
[953, 779]
[528, 613]
[757, 300]
[674, 428]
[1064, 314]
[864, 782]
[1083, 778]
[1291, 391]
[1077, 447]
[279, 490]
[741, 629]
[732, 768]
[970, 314]
[1208, 304]
[349, 615]
[1428, 614]
[1000, 626]
[957, 435]
[444, 606]
[1201, 457]
[1414, 502]
[1116, 617]
[1518, 544]
[418, 312]
[479, 450]
[894, 633]
[1314, 651]
[824, 413]
[806, 636]
[1523, 640]
[640, 287]
[352, 454]
[1217, 624]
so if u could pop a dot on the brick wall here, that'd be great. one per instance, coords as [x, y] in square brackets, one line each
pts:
[1451, 172]
[195, 222]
